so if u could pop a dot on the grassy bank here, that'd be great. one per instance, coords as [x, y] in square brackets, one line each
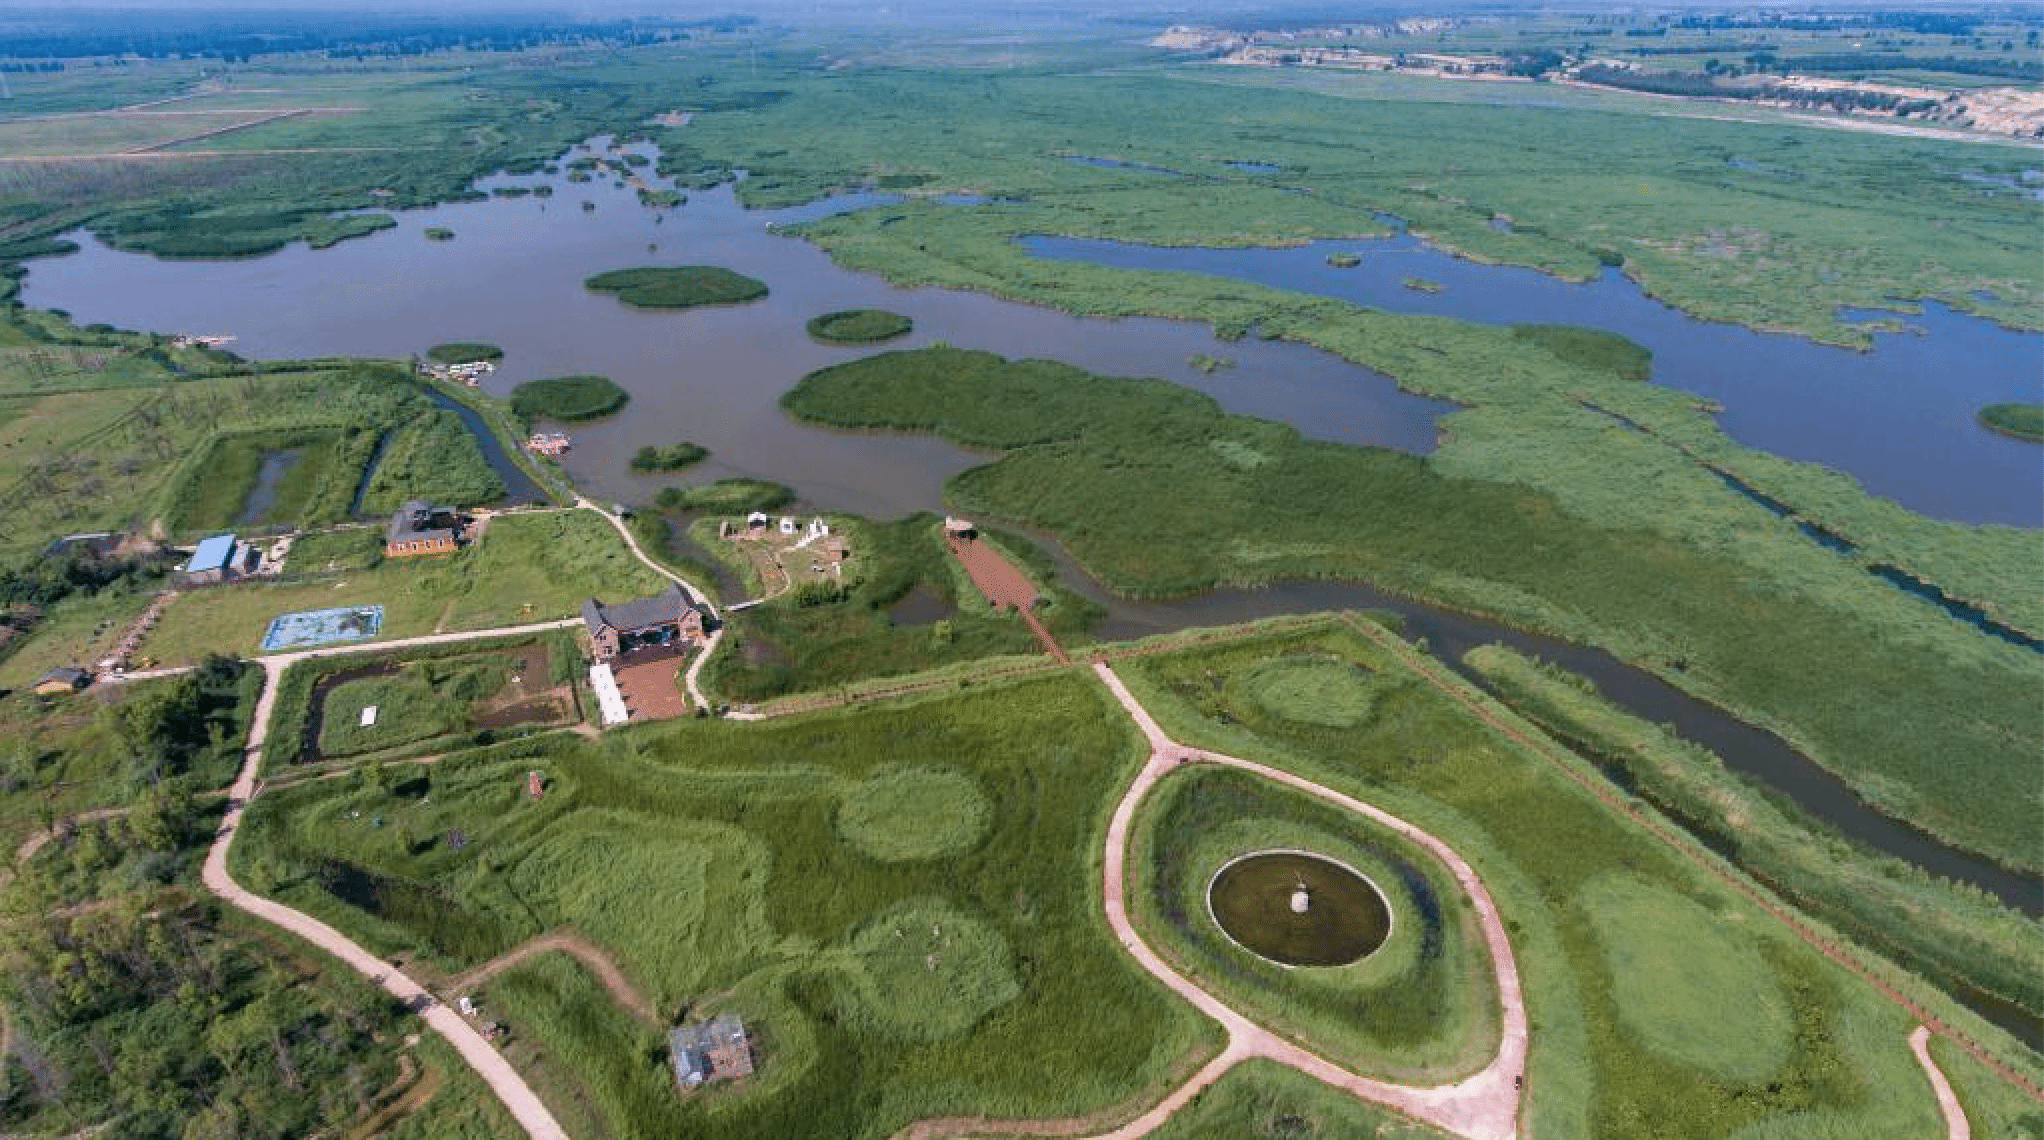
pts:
[1159, 493]
[1945, 931]
[463, 351]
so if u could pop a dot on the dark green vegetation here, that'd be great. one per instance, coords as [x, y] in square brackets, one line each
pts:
[788, 646]
[726, 496]
[1949, 934]
[439, 233]
[134, 1003]
[463, 352]
[859, 326]
[650, 459]
[1344, 260]
[313, 487]
[1626, 948]
[1002, 993]
[1422, 1009]
[434, 457]
[684, 287]
[1159, 493]
[568, 398]
[181, 231]
[2023, 421]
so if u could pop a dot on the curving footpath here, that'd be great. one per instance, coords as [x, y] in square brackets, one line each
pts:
[524, 1104]
[1484, 1106]
[692, 679]
[1956, 1125]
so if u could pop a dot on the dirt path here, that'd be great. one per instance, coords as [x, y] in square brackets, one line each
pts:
[1484, 1106]
[567, 942]
[1567, 764]
[524, 1104]
[1956, 1125]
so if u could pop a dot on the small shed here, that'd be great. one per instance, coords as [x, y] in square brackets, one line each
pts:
[212, 561]
[959, 528]
[757, 520]
[61, 680]
[713, 1050]
[789, 526]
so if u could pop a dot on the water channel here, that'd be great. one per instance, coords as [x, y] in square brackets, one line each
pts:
[512, 276]
[1900, 418]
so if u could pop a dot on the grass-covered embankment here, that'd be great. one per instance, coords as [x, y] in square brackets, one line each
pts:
[2020, 421]
[1663, 1000]
[731, 862]
[726, 496]
[1944, 931]
[683, 287]
[859, 326]
[568, 398]
[1158, 492]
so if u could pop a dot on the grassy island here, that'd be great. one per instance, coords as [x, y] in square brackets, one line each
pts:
[568, 398]
[859, 326]
[1344, 260]
[727, 496]
[684, 287]
[650, 459]
[1423, 285]
[2021, 421]
[464, 352]
[439, 233]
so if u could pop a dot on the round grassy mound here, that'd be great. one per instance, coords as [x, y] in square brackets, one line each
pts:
[464, 352]
[682, 287]
[859, 326]
[1690, 985]
[726, 496]
[2023, 421]
[568, 398]
[1312, 690]
[905, 814]
[925, 971]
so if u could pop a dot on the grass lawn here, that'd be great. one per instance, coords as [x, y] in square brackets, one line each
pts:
[1264, 1098]
[526, 568]
[1662, 1002]
[80, 631]
[973, 977]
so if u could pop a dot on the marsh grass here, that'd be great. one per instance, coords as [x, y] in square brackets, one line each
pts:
[683, 287]
[859, 326]
[568, 398]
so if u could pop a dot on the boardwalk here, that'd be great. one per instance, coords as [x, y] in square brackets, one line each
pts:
[1005, 587]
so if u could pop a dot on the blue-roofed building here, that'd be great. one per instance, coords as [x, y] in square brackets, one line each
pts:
[212, 561]
[714, 1050]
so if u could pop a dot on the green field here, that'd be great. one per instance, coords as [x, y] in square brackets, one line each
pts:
[526, 568]
[709, 859]
[568, 398]
[1159, 493]
[685, 287]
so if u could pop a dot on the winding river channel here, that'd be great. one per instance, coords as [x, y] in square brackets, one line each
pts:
[512, 276]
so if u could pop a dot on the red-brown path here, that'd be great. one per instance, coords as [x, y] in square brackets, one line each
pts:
[1005, 587]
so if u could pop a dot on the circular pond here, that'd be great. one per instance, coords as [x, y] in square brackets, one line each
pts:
[1299, 909]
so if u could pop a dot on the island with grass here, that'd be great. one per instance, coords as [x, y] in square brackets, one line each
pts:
[650, 460]
[859, 326]
[568, 398]
[680, 287]
[464, 352]
[2017, 421]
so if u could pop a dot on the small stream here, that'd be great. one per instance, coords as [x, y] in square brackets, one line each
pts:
[263, 496]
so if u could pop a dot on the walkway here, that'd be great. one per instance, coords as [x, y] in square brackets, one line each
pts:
[1956, 1126]
[571, 942]
[524, 1105]
[693, 678]
[1005, 587]
[1481, 1107]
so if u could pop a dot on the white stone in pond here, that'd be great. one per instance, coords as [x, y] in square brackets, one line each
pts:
[368, 715]
[1300, 901]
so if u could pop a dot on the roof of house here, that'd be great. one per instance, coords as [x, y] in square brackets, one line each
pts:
[212, 554]
[414, 521]
[690, 1065]
[659, 610]
[66, 674]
